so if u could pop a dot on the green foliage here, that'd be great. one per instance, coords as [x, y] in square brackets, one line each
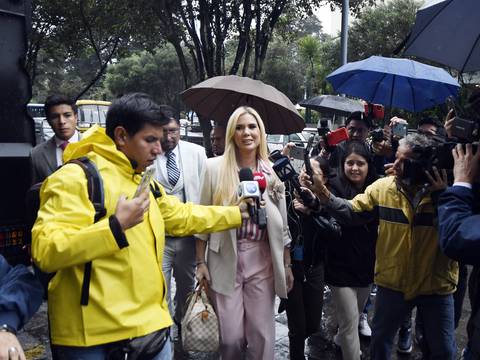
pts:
[284, 71]
[157, 74]
[292, 26]
[380, 30]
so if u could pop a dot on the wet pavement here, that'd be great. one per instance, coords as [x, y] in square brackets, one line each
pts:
[34, 338]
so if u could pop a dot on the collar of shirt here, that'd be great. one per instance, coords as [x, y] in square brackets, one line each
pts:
[175, 151]
[73, 139]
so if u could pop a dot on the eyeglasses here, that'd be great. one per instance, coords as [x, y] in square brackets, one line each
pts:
[172, 131]
[359, 130]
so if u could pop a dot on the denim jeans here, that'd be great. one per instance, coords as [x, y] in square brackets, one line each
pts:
[437, 315]
[98, 352]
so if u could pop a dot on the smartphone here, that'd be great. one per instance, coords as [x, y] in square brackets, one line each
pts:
[145, 182]
[297, 152]
[399, 130]
[451, 105]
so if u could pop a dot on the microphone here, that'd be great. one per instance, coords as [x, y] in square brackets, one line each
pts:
[248, 188]
[259, 177]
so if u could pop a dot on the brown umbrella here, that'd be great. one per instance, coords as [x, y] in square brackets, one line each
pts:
[217, 97]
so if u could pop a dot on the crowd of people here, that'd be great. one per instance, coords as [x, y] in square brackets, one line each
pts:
[368, 223]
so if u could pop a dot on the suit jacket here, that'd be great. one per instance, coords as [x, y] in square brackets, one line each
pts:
[222, 246]
[43, 160]
[192, 163]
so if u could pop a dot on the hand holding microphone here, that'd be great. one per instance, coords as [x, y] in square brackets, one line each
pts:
[251, 188]
[259, 177]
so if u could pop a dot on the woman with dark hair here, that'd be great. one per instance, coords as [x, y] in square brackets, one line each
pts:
[309, 230]
[350, 260]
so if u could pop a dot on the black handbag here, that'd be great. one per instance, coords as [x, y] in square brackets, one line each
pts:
[140, 348]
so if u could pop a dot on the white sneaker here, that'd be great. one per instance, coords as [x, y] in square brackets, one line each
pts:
[363, 327]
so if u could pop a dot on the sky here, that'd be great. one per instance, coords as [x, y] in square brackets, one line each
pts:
[331, 21]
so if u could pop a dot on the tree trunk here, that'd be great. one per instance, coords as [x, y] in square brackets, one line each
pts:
[100, 72]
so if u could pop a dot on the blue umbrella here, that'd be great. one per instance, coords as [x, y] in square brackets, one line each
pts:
[400, 83]
[447, 32]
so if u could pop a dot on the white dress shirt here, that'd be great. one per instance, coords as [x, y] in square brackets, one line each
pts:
[59, 152]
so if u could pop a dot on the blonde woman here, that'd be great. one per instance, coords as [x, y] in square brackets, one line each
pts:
[248, 266]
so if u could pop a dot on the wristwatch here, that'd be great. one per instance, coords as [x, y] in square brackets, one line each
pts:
[8, 328]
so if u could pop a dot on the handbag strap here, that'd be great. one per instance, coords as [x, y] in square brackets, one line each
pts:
[201, 291]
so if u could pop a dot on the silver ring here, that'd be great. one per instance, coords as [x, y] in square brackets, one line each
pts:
[13, 349]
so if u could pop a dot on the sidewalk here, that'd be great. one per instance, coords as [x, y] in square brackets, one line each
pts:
[35, 338]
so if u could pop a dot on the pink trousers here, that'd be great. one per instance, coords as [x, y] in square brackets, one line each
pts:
[246, 316]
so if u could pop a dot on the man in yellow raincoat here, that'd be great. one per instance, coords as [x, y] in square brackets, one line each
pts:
[126, 297]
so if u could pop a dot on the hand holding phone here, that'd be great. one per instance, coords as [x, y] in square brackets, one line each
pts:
[297, 152]
[145, 182]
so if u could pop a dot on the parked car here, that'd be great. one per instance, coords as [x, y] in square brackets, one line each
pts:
[277, 142]
[307, 132]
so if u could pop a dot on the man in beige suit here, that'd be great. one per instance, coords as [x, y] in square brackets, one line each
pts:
[179, 169]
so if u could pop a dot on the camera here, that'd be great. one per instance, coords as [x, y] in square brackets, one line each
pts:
[466, 123]
[374, 112]
[377, 135]
[438, 155]
[331, 138]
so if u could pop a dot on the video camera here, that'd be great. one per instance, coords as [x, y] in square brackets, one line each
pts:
[438, 155]
[286, 173]
[427, 157]
[465, 129]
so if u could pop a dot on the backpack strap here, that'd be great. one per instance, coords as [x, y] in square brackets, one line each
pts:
[155, 189]
[96, 196]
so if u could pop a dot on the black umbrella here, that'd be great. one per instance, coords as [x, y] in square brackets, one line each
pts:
[217, 97]
[332, 104]
[447, 32]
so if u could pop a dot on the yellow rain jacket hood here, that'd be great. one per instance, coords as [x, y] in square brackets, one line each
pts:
[127, 288]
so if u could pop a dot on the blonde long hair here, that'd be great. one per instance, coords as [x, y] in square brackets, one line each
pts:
[226, 192]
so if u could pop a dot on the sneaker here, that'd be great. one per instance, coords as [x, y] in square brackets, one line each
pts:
[405, 344]
[363, 327]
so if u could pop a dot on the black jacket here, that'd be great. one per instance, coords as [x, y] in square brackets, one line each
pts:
[312, 231]
[458, 217]
[350, 260]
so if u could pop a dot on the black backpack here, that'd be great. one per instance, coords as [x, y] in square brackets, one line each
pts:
[96, 196]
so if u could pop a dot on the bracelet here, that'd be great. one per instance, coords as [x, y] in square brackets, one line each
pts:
[288, 266]
[200, 262]
[7, 328]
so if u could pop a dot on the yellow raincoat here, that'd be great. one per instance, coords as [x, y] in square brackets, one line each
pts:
[127, 288]
[408, 256]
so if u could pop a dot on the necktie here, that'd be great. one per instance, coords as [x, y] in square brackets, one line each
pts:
[63, 145]
[172, 169]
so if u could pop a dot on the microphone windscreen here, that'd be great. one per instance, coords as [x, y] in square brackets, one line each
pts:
[245, 174]
[259, 177]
